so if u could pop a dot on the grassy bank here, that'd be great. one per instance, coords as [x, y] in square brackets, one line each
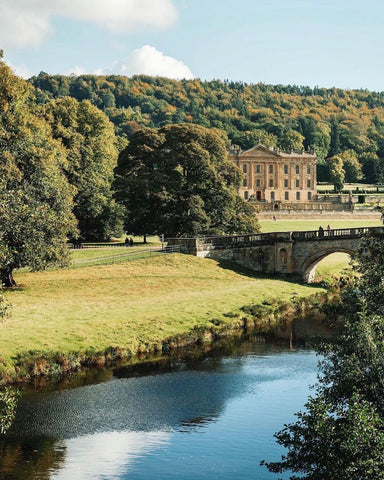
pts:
[283, 225]
[131, 306]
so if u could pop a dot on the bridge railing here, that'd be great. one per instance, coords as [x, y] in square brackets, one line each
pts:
[251, 238]
[355, 232]
[268, 238]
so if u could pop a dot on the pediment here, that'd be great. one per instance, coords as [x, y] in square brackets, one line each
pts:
[260, 151]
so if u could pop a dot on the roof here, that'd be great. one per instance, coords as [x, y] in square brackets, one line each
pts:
[263, 151]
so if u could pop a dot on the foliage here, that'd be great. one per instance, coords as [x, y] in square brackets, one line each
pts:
[91, 145]
[336, 172]
[351, 166]
[181, 173]
[8, 402]
[341, 434]
[329, 442]
[35, 197]
[330, 121]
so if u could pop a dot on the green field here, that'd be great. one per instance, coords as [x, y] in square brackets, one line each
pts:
[322, 187]
[283, 225]
[333, 264]
[128, 304]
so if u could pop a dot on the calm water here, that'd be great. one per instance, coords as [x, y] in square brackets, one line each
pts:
[211, 417]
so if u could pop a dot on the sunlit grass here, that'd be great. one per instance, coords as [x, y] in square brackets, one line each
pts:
[126, 304]
[333, 264]
[283, 225]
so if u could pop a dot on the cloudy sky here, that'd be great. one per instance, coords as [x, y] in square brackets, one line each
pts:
[305, 42]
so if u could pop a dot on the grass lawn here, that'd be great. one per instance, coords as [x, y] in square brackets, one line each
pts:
[283, 225]
[334, 263]
[322, 187]
[100, 252]
[127, 304]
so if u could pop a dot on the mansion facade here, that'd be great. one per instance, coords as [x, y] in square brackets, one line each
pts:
[274, 176]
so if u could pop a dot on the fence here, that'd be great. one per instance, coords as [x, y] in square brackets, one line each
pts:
[125, 257]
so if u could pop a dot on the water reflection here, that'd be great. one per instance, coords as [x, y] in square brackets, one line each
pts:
[133, 425]
[107, 455]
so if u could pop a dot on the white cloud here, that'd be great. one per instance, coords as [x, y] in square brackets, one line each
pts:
[21, 70]
[28, 22]
[150, 61]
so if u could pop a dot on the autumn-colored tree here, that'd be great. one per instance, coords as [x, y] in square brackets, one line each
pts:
[336, 172]
[351, 166]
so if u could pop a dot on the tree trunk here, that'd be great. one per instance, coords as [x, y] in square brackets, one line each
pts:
[145, 238]
[7, 279]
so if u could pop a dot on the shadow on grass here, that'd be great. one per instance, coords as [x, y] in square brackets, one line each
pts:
[241, 270]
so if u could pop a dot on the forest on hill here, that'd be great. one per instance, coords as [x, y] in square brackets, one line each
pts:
[331, 122]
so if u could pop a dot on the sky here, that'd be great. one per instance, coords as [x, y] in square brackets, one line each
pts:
[325, 43]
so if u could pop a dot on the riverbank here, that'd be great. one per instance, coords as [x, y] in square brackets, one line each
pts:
[64, 320]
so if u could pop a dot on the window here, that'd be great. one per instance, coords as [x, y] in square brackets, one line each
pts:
[285, 182]
[308, 170]
[246, 195]
[297, 169]
[270, 168]
[271, 182]
[244, 182]
[309, 183]
[309, 195]
[297, 195]
[285, 169]
[258, 182]
[257, 168]
[297, 183]
[286, 195]
[272, 196]
[244, 168]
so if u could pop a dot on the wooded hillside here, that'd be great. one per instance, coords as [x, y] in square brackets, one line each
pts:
[330, 120]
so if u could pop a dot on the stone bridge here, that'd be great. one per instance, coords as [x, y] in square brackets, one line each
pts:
[293, 254]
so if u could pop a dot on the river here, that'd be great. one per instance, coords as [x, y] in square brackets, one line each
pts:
[209, 416]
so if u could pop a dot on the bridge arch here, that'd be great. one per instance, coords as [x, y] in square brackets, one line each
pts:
[309, 267]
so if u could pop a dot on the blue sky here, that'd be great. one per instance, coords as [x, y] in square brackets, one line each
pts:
[304, 42]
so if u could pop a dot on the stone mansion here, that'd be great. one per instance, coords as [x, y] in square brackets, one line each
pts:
[274, 176]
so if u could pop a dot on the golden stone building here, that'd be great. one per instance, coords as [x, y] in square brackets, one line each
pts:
[273, 176]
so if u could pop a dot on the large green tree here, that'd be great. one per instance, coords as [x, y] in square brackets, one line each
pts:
[341, 433]
[178, 181]
[91, 145]
[35, 197]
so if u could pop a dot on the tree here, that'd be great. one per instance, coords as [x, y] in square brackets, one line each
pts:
[341, 433]
[178, 181]
[292, 141]
[91, 145]
[334, 147]
[336, 172]
[35, 197]
[351, 166]
[372, 167]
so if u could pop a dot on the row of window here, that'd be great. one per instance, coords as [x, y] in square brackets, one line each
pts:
[258, 183]
[286, 196]
[285, 168]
